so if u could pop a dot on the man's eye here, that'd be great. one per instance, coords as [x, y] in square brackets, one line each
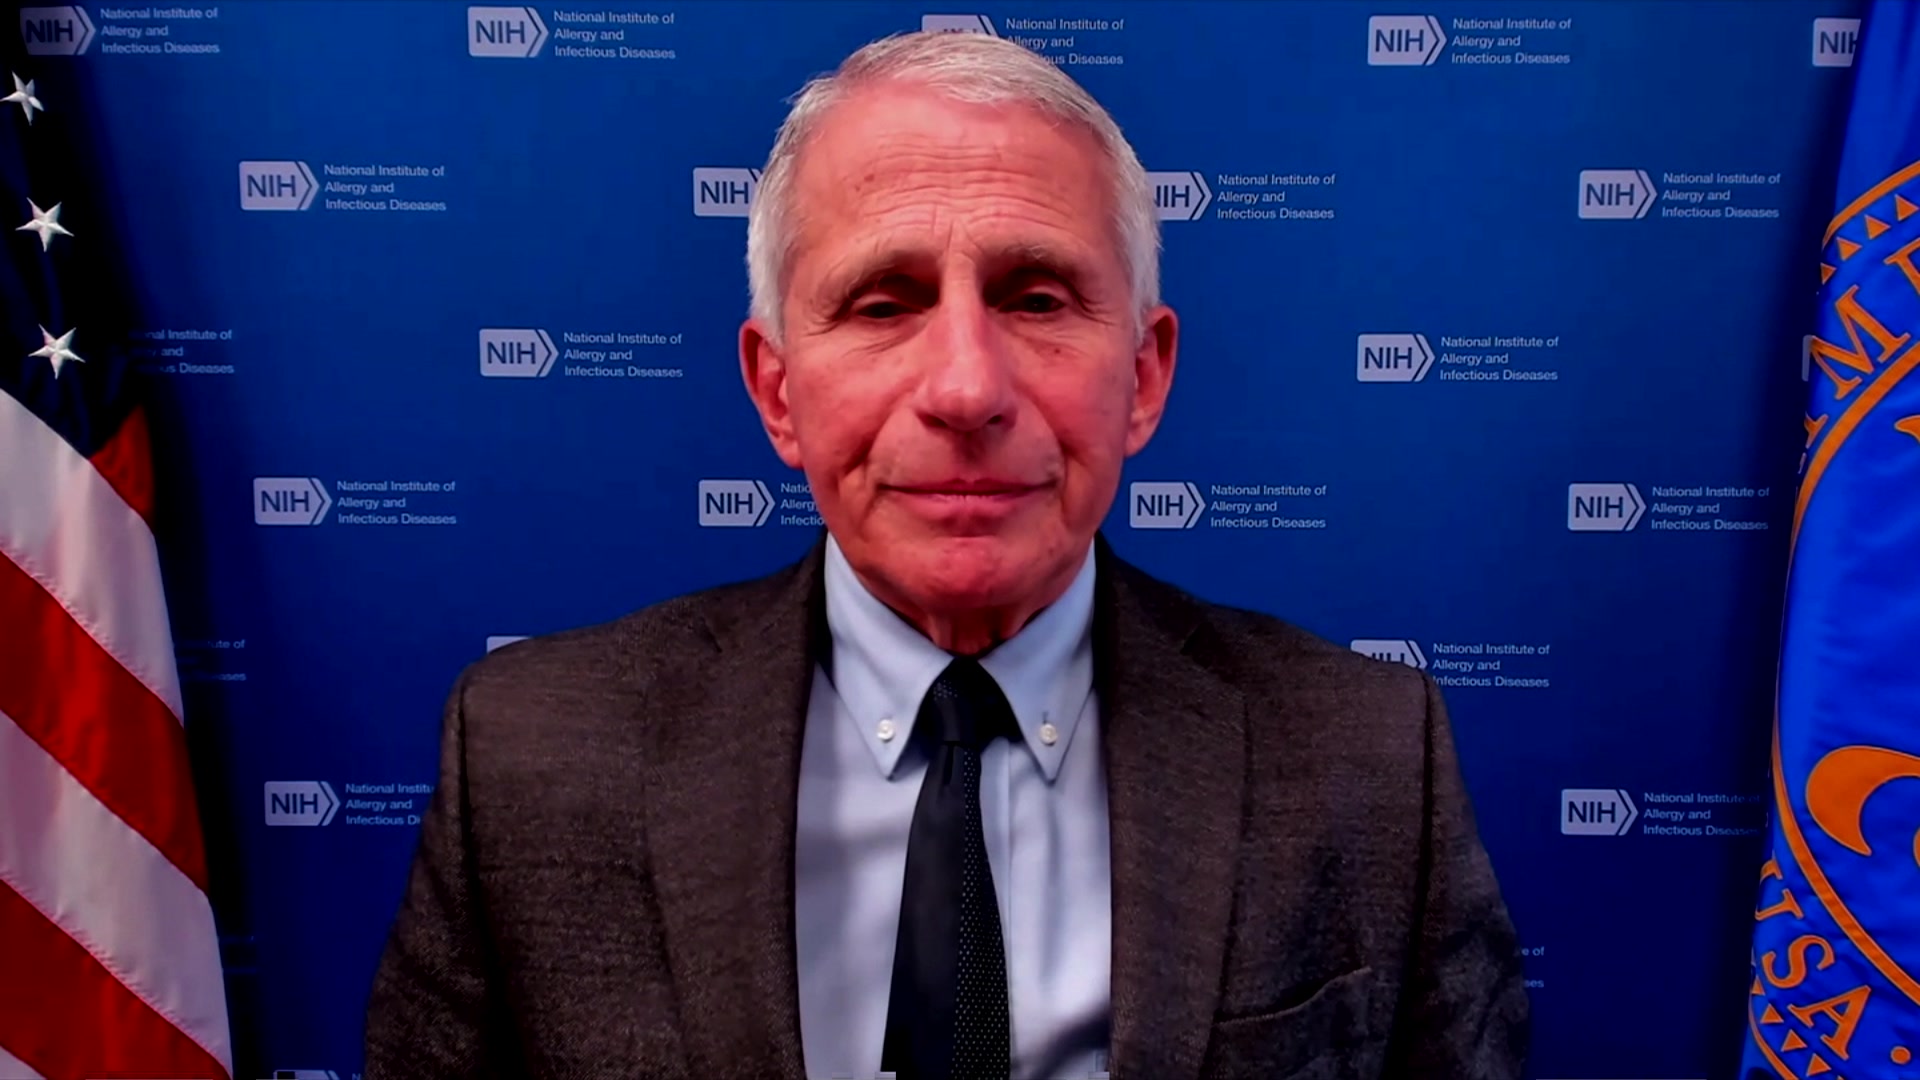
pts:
[880, 309]
[1037, 303]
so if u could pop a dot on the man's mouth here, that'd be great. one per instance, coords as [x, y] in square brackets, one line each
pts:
[978, 488]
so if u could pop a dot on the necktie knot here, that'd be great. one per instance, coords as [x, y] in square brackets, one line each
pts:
[966, 707]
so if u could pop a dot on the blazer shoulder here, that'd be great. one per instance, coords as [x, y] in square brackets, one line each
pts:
[1339, 736]
[1258, 642]
[1267, 656]
[628, 652]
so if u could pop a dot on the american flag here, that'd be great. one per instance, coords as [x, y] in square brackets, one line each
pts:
[109, 964]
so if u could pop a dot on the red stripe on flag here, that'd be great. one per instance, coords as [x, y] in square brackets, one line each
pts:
[69, 1018]
[126, 463]
[99, 722]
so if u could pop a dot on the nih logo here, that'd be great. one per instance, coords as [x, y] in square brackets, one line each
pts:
[276, 185]
[1403, 40]
[513, 32]
[957, 24]
[1157, 504]
[1393, 651]
[1179, 196]
[1393, 358]
[1596, 812]
[56, 31]
[734, 504]
[301, 802]
[1616, 194]
[1835, 41]
[516, 354]
[724, 192]
[289, 500]
[1603, 507]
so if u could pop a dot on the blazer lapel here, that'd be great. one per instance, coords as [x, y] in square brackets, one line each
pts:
[1175, 740]
[721, 787]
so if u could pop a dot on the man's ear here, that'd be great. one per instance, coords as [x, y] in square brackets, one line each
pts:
[1153, 363]
[764, 370]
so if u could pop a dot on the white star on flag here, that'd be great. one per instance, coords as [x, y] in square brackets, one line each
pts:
[45, 223]
[56, 351]
[23, 93]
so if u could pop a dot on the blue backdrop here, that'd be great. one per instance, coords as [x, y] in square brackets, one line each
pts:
[1492, 365]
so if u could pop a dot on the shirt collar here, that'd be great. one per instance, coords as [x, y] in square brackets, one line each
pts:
[882, 667]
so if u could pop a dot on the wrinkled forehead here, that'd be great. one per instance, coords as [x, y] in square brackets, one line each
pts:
[901, 166]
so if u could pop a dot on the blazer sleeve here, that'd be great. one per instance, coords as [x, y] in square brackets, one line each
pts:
[437, 1010]
[1463, 1009]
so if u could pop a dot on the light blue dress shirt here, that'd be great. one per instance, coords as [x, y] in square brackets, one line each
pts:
[1043, 808]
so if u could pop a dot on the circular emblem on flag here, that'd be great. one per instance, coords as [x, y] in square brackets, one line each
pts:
[1836, 959]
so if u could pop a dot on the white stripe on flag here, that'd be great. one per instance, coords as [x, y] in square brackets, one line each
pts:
[62, 523]
[14, 1069]
[111, 891]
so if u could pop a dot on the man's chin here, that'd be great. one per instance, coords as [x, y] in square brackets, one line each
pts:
[976, 573]
[972, 571]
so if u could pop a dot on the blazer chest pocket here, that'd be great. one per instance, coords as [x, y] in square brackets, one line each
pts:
[1319, 1039]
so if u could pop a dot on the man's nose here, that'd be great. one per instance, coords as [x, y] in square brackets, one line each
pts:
[969, 368]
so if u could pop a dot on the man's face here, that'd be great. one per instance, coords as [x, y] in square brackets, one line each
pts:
[961, 373]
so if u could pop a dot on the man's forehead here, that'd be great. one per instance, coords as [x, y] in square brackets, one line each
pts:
[891, 171]
[872, 117]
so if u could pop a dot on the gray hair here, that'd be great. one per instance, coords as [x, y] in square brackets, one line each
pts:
[971, 68]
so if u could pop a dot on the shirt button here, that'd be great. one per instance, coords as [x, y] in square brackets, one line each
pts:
[885, 730]
[1049, 734]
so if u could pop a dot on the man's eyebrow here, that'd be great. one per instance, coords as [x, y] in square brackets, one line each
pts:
[844, 281]
[1056, 261]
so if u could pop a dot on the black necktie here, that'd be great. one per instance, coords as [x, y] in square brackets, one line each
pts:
[947, 1011]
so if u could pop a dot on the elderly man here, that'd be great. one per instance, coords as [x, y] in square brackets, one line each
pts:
[961, 794]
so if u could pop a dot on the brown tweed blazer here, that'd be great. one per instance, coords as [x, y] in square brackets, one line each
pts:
[604, 884]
